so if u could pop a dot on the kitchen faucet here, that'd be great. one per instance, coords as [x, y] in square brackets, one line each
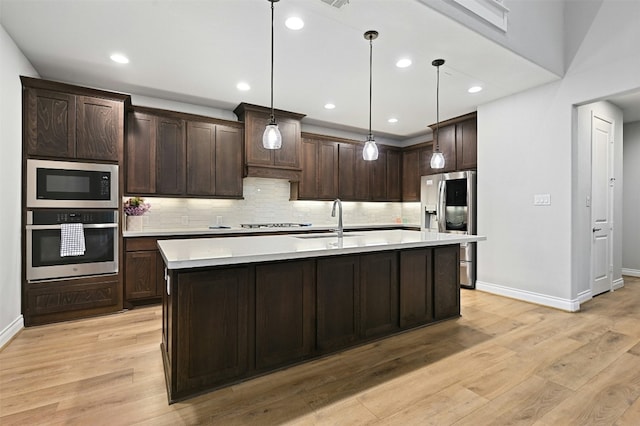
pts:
[333, 214]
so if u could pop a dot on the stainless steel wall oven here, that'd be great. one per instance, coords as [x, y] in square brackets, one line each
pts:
[44, 257]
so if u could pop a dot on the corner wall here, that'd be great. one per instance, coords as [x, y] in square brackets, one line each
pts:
[14, 64]
[526, 147]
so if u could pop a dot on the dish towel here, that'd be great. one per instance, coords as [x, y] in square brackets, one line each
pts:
[71, 239]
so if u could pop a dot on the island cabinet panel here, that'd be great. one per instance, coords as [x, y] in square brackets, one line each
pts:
[338, 300]
[213, 319]
[446, 282]
[416, 287]
[378, 293]
[66, 124]
[285, 313]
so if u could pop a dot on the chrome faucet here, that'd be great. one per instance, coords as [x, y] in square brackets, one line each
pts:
[333, 214]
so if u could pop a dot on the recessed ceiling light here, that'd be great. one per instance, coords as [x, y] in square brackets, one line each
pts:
[474, 89]
[329, 106]
[403, 63]
[294, 23]
[392, 120]
[243, 86]
[119, 58]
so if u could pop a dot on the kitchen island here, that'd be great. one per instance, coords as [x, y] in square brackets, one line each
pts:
[235, 308]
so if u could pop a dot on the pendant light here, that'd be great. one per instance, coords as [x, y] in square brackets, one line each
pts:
[271, 138]
[437, 159]
[370, 151]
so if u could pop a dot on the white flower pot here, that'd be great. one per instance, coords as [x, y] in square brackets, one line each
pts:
[134, 223]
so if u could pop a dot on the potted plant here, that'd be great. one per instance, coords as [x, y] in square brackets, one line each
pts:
[134, 208]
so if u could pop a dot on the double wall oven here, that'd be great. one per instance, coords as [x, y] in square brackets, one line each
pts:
[65, 196]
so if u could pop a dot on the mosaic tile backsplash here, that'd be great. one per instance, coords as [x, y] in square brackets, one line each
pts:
[267, 200]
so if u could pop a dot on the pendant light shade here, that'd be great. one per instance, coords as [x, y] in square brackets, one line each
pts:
[370, 151]
[271, 138]
[437, 159]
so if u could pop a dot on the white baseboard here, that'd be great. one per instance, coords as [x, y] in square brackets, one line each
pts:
[585, 296]
[631, 272]
[531, 297]
[617, 284]
[11, 330]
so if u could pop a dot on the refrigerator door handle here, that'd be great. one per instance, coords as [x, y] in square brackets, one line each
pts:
[440, 215]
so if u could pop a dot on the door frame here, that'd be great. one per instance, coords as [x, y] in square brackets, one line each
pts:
[610, 199]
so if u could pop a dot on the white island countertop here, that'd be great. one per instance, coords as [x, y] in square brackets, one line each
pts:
[202, 252]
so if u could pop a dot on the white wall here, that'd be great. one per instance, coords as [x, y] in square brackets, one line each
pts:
[631, 200]
[526, 147]
[534, 30]
[13, 65]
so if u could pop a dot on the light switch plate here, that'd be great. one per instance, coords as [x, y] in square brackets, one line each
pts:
[542, 199]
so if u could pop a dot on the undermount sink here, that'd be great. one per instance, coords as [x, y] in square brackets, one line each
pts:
[314, 236]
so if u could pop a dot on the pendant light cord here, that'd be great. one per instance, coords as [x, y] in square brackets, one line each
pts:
[438, 108]
[370, 84]
[273, 120]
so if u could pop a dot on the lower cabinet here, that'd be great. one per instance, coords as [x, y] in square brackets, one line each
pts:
[284, 313]
[222, 325]
[143, 271]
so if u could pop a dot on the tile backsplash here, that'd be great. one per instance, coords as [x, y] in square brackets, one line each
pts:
[267, 200]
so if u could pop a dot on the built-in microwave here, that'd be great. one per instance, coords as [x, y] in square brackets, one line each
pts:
[66, 184]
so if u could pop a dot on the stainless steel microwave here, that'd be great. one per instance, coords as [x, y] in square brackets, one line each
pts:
[64, 184]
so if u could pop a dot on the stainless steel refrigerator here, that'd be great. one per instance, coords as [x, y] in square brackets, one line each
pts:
[448, 204]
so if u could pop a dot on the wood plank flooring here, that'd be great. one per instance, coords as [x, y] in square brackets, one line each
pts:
[503, 362]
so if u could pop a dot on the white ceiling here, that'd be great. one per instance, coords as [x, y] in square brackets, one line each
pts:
[197, 51]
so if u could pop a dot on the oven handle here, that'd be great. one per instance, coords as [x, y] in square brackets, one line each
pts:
[88, 225]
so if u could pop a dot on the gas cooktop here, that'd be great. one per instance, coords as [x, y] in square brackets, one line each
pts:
[273, 225]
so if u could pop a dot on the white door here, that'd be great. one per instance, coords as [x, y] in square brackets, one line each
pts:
[601, 202]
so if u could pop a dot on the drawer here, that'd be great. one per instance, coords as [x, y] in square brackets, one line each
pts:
[138, 244]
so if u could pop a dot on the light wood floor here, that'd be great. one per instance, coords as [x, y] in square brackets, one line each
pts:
[503, 362]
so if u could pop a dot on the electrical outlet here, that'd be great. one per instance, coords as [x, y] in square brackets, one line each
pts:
[185, 220]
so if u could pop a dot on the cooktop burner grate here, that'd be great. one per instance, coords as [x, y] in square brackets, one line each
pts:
[273, 225]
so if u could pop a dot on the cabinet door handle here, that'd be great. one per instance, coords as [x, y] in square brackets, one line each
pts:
[596, 229]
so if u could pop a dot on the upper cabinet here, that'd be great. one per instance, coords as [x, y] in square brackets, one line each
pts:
[178, 154]
[71, 122]
[458, 142]
[283, 163]
[334, 168]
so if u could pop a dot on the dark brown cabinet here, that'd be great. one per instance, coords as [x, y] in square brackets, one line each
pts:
[416, 287]
[225, 324]
[378, 293]
[447, 142]
[285, 312]
[141, 275]
[446, 285]
[214, 160]
[394, 176]
[182, 156]
[155, 154]
[378, 177]
[68, 124]
[319, 178]
[214, 335]
[411, 175]
[283, 163]
[338, 302]
[143, 271]
[467, 144]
